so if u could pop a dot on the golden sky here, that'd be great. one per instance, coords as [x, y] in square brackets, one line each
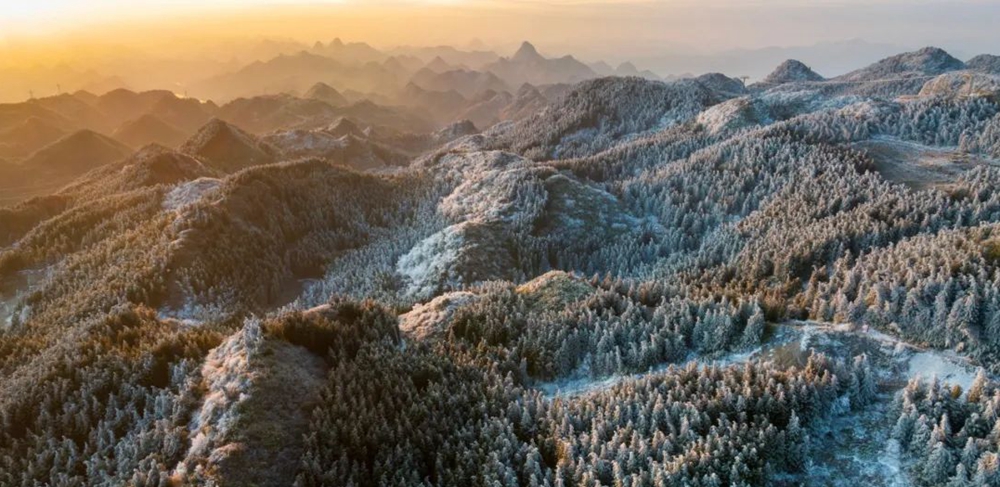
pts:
[75, 31]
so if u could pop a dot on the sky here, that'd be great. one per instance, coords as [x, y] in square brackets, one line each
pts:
[587, 25]
[137, 38]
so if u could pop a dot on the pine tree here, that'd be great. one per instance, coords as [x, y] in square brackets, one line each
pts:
[919, 441]
[978, 387]
[754, 331]
[961, 478]
[939, 465]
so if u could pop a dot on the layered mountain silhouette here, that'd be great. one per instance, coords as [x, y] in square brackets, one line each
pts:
[149, 129]
[28, 136]
[73, 155]
[327, 94]
[528, 66]
[467, 83]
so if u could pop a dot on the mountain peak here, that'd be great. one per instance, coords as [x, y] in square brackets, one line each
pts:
[929, 61]
[438, 65]
[344, 126]
[526, 52]
[627, 69]
[791, 71]
[324, 92]
[985, 63]
[226, 147]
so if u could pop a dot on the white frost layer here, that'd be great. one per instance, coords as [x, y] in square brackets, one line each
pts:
[510, 195]
[429, 264]
[768, 108]
[227, 376]
[927, 365]
[190, 192]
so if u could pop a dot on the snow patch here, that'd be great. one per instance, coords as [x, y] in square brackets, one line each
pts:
[928, 365]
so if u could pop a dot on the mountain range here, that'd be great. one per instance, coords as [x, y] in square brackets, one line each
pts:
[505, 271]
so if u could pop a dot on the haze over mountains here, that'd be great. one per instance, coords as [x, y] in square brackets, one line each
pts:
[256, 67]
[341, 265]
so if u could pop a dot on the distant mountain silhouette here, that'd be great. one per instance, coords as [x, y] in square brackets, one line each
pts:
[528, 66]
[468, 83]
[149, 129]
[262, 114]
[74, 154]
[326, 93]
[27, 137]
[296, 73]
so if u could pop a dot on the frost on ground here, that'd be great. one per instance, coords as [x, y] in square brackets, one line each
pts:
[432, 319]
[226, 377]
[854, 448]
[554, 290]
[767, 108]
[188, 193]
[189, 312]
[499, 197]
[429, 266]
[919, 166]
[13, 309]
[851, 447]
[927, 365]
[259, 392]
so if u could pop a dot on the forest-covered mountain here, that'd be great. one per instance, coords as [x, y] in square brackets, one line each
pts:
[504, 277]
